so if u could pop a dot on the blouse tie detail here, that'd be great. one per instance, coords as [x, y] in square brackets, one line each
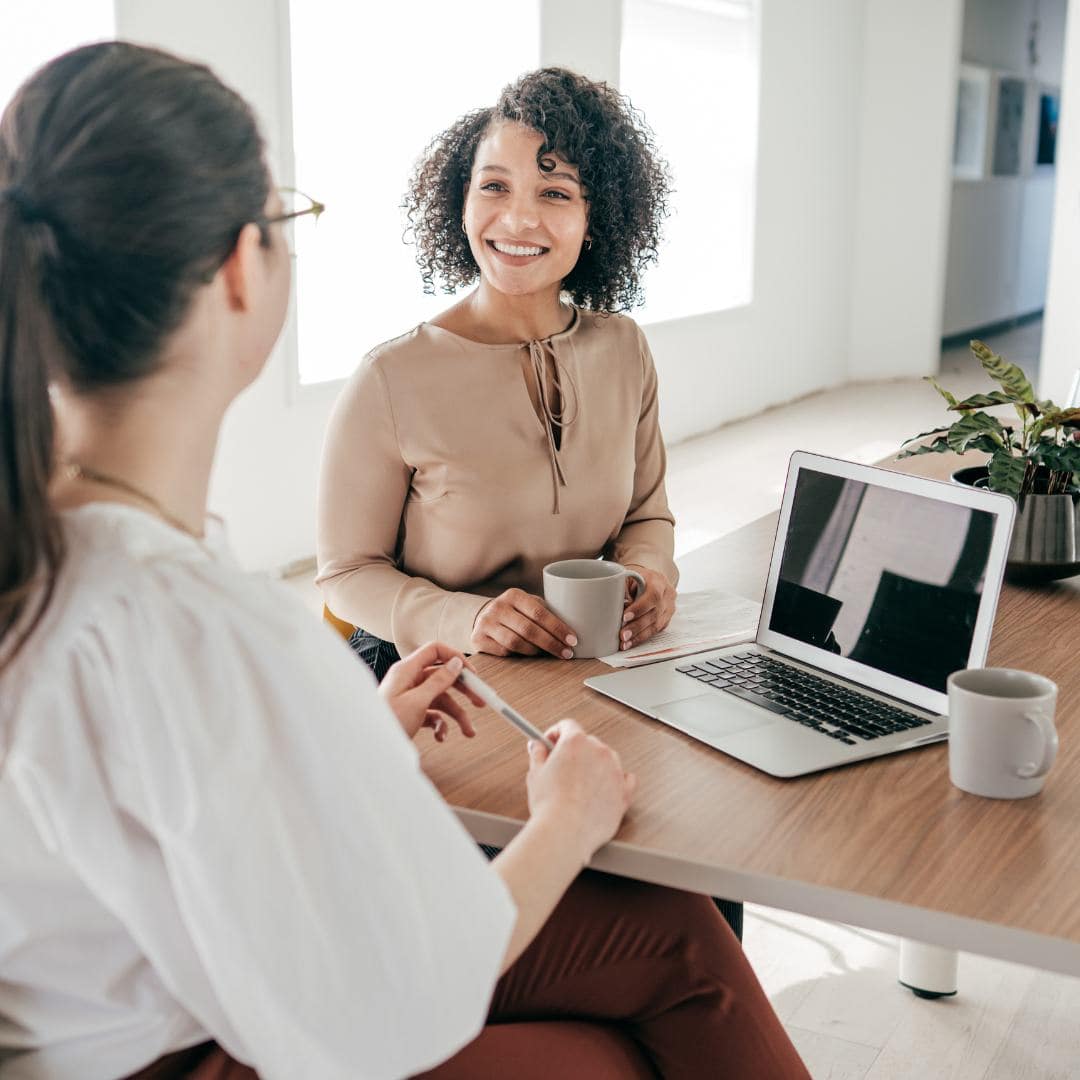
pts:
[541, 354]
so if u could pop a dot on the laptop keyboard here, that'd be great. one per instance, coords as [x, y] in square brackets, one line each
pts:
[834, 710]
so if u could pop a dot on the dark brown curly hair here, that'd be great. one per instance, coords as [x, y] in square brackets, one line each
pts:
[588, 124]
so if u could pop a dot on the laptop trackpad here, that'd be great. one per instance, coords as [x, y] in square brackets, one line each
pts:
[710, 717]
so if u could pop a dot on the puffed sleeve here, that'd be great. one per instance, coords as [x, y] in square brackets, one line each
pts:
[363, 485]
[647, 537]
[258, 821]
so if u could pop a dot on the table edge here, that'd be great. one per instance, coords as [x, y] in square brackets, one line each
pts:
[833, 905]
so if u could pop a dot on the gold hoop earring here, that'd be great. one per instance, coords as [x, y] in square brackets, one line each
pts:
[588, 243]
[463, 229]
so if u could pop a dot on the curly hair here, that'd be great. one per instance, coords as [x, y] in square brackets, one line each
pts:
[588, 124]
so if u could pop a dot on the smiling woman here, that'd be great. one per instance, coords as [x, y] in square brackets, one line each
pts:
[518, 427]
[525, 212]
[597, 136]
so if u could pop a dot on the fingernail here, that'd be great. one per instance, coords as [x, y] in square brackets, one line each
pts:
[453, 665]
[571, 640]
[627, 616]
[627, 635]
[567, 654]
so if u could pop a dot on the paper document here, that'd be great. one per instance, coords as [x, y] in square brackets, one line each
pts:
[703, 620]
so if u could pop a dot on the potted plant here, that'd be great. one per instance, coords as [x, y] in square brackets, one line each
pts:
[1035, 459]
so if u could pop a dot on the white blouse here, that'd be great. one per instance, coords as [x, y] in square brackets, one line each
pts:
[211, 826]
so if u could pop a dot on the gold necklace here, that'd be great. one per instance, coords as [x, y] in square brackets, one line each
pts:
[74, 471]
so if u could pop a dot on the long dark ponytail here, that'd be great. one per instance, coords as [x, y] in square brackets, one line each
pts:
[126, 175]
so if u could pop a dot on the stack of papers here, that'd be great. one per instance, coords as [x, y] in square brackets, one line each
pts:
[703, 620]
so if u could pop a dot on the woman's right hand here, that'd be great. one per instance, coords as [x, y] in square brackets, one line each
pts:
[518, 622]
[580, 784]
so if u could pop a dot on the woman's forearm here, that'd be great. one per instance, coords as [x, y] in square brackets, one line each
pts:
[399, 607]
[537, 866]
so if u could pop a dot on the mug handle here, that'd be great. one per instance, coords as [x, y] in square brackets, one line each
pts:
[641, 582]
[1048, 733]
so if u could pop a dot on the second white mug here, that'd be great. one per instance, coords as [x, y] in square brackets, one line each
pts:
[1002, 739]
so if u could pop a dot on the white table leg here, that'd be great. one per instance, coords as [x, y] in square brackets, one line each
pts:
[928, 971]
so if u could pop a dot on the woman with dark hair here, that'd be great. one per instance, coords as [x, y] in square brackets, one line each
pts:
[519, 427]
[216, 845]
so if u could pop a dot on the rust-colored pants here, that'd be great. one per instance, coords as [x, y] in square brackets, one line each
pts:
[625, 981]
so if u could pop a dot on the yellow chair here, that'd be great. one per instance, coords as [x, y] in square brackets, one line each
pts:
[380, 662]
[340, 625]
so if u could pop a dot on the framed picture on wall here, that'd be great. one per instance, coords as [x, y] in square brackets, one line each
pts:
[972, 119]
[1046, 140]
[1009, 126]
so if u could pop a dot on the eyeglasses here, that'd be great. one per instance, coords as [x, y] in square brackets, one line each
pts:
[295, 205]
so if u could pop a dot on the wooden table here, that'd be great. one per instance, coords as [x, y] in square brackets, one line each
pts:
[887, 844]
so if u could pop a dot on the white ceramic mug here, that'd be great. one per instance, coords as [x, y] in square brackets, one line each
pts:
[588, 595]
[1002, 739]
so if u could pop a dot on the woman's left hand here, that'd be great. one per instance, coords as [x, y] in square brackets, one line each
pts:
[418, 686]
[650, 610]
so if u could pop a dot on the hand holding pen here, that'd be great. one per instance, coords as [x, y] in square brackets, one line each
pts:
[574, 778]
[419, 690]
[575, 782]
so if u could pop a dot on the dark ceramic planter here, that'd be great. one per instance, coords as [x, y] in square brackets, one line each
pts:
[1045, 542]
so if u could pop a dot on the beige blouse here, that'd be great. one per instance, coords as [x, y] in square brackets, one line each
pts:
[443, 484]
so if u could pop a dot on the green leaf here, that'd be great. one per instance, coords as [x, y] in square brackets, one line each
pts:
[938, 446]
[1007, 473]
[1010, 377]
[1057, 417]
[983, 401]
[1053, 419]
[986, 443]
[973, 426]
[951, 401]
[925, 435]
[1058, 458]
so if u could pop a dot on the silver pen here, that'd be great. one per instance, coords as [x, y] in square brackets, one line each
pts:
[473, 682]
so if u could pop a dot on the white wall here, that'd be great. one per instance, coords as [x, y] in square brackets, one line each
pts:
[582, 36]
[999, 233]
[853, 196]
[909, 69]
[1061, 325]
[792, 338]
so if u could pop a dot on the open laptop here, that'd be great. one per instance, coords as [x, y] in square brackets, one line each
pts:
[880, 585]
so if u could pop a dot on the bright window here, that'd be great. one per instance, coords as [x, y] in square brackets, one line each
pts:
[691, 67]
[371, 85]
[45, 29]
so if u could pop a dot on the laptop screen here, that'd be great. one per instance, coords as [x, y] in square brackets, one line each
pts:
[884, 577]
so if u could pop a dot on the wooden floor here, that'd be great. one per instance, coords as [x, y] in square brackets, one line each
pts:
[835, 986]
[835, 989]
